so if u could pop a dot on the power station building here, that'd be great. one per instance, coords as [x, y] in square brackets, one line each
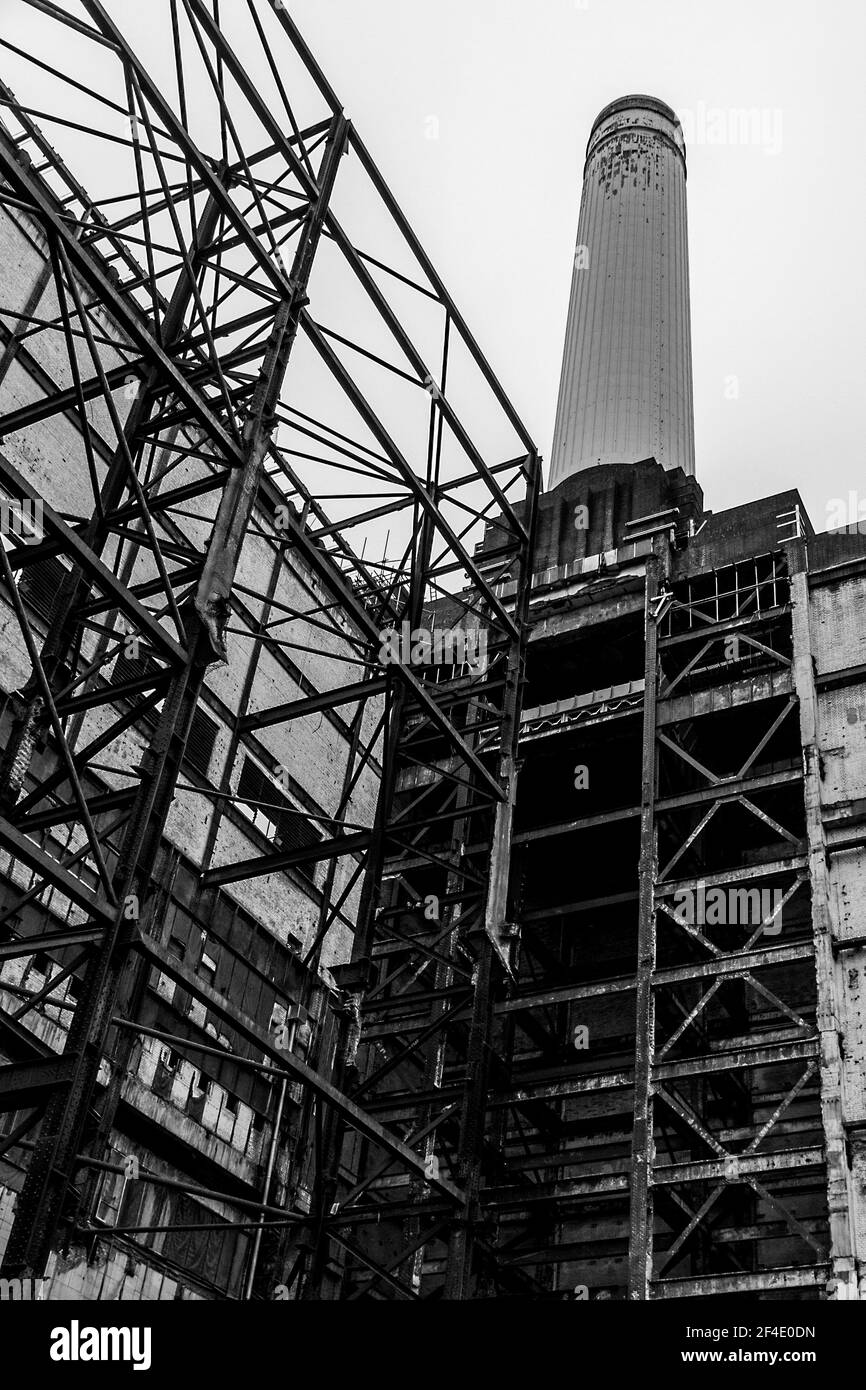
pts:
[328, 975]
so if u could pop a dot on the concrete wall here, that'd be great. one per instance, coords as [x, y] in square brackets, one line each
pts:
[837, 625]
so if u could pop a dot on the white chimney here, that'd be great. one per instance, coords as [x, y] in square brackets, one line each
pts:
[626, 388]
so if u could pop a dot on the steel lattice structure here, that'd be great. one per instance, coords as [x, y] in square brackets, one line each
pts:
[237, 364]
[703, 1122]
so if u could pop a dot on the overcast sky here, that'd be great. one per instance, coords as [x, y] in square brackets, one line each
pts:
[478, 111]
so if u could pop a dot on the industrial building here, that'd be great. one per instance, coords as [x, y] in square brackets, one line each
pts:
[481, 920]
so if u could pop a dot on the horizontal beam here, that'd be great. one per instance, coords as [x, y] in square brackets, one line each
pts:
[325, 699]
[61, 815]
[49, 941]
[737, 1167]
[564, 994]
[757, 1281]
[276, 863]
[603, 1183]
[736, 964]
[774, 1054]
[63, 400]
[735, 786]
[25, 1084]
[719, 629]
[746, 873]
[701, 704]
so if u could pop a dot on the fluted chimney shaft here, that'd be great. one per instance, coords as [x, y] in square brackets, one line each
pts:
[626, 387]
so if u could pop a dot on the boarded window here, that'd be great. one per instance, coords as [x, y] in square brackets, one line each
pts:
[39, 585]
[201, 741]
[216, 1257]
[128, 669]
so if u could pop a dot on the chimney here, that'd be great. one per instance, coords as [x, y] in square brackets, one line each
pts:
[625, 392]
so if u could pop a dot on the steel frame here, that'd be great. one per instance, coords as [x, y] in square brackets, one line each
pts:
[780, 1039]
[719, 1129]
[179, 286]
[457, 1148]
[728, 1133]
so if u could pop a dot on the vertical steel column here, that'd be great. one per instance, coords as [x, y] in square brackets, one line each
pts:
[493, 941]
[332, 1129]
[641, 1211]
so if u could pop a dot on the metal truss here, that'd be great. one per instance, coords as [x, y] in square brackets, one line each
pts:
[249, 343]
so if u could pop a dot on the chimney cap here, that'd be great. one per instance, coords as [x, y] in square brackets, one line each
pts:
[636, 112]
[638, 101]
